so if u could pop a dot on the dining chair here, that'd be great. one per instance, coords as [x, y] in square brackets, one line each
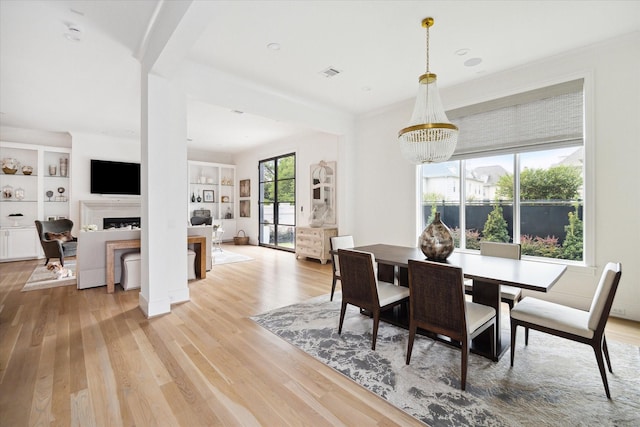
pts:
[571, 323]
[217, 239]
[338, 242]
[437, 304]
[508, 294]
[361, 288]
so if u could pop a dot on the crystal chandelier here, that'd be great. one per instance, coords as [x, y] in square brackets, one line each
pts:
[429, 136]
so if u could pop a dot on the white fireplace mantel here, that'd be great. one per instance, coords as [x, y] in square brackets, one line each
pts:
[94, 211]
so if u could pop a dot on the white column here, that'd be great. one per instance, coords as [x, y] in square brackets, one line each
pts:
[164, 196]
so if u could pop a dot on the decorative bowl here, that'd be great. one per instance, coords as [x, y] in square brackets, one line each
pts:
[9, 165]
[27, 170]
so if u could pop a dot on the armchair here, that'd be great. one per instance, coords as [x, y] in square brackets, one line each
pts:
[56, 239]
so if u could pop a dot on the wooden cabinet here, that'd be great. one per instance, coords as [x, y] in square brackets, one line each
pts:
[312, 242]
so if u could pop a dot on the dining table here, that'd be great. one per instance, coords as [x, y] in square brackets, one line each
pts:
[487, 273]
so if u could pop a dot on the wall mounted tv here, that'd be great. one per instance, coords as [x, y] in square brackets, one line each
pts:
[117, 178]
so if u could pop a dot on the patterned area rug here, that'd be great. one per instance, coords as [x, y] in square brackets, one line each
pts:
[553, 382]
[42, 278]
[226, 257]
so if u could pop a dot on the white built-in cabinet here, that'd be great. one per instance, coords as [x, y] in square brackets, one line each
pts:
[212, 187]
[41, 194]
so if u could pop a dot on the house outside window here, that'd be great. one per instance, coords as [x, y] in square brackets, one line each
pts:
[520, 184]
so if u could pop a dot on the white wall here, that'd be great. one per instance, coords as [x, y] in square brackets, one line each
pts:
[385, 203]
[85, 147]
[309, 149]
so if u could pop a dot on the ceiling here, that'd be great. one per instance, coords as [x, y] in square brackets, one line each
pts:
[51, 83]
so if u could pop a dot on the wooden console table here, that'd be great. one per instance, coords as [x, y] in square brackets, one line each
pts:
[199, 247]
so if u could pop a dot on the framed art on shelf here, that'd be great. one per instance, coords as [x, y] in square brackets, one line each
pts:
[245, 209]
[207, 196]
[245, 188]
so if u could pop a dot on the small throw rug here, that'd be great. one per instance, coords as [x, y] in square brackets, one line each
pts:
[554, 382]
[226, 257]
[43, 278]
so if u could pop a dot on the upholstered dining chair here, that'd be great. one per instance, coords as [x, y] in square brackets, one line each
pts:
[571, 323]
[437, 304]
[56, 239]
[338, 242]
[361, 288]
[508, 294]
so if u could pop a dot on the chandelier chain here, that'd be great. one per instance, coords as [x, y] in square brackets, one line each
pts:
[427, 49]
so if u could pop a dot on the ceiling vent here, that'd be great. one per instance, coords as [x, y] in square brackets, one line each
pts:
[330, 72]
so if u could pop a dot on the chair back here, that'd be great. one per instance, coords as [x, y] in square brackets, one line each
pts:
[55, 226]
[603, 298]
[339, 242]
[437, 298]
[200, 220]
[501, 250]
[359, 283]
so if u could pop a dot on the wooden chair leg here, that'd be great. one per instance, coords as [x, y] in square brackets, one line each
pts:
[376, 321]
[526, 336]
[333, 288]
[603, 373]
[412, 336]
[62, 261]
[343, 310]
[463, 366]
[514, 328]
[606, 353]
[46, 262]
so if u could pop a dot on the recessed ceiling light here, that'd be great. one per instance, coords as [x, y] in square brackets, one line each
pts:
[273, 46]
[463, 51]
[472, 62]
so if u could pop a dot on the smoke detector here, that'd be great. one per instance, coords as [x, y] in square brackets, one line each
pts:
[73, 33]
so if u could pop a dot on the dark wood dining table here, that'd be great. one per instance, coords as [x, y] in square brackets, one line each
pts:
[487, 272]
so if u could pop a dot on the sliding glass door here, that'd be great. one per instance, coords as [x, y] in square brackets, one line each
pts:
[277, 202]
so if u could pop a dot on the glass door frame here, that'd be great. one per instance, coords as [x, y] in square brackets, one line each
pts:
[274, 225]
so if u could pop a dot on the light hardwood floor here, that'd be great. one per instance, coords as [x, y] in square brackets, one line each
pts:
[85, 357]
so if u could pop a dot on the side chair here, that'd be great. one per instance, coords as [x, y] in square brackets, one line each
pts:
[56, 239]
[573, 324]
[361, 288]
[338, 242]
[437, 304]
[508, 294]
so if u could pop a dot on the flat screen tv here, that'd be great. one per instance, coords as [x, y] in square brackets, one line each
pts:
[108, 177]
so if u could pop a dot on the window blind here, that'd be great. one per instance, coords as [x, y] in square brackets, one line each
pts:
[550, 117]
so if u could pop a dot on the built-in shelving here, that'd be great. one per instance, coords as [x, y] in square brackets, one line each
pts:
[24, 195]
[212, 187]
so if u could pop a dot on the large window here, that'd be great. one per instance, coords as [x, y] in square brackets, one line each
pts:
[277, 219]
[512, 182]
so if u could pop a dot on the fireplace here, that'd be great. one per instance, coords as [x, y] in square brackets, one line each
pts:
[121, 222]
[114, 211]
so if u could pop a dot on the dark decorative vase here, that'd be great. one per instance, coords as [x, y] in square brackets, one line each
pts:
[436, 241]
[193, 197]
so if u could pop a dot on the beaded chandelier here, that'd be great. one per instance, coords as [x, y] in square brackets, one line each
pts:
[429, 136]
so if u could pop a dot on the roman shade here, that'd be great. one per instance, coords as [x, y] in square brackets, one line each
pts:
[550, 117]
